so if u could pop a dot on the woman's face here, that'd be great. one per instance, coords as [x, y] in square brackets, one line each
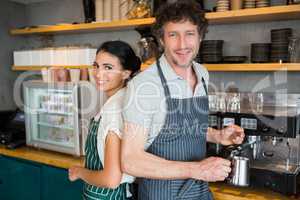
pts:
[109, 74]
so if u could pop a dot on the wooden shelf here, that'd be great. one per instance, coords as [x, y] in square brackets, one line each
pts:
[274, 13]
[36, 68]
[249, 67]
[262, 67]
[86, 27]
[253, 67]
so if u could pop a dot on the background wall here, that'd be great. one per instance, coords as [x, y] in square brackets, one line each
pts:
[11, 15]
[237, 37]
[70, 11]
[237, 41]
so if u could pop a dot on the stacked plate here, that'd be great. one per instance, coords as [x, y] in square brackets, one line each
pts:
[280, 43]
[234, 59]
[211, 51]
[260, 52]
[249, 4]
[281, 35]
[262, 3]
[223, 5]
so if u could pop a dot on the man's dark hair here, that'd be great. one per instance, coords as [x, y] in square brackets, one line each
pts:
[179, 11]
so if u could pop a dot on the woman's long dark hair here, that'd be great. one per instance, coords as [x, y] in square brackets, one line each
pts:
[124, 53]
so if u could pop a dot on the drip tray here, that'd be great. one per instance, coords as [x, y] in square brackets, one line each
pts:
[290, 169]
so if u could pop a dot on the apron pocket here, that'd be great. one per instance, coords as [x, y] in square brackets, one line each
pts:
[150, 189]
[189, 189]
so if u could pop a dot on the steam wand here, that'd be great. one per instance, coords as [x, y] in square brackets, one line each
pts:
[289, 154]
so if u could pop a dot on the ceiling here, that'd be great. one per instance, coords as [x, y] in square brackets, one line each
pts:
[28, 1]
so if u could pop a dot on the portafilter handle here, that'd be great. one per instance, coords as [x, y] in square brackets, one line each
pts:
[237, 150]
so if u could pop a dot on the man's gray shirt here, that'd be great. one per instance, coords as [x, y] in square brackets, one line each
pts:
[144, 102]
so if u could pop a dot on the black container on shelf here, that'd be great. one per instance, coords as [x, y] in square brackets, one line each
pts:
[211, 51]
[260, 52]
[281, 35]
[280, 42]
[234, 59]
[89, 10]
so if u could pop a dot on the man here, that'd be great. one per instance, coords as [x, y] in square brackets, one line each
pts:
[166, 115]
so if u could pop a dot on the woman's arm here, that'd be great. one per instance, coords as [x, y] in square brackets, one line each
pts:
[110, 176]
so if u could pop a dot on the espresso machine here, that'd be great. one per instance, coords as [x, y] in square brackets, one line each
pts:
[272, 142]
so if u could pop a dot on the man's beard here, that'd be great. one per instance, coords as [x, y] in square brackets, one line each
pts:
[184, 65]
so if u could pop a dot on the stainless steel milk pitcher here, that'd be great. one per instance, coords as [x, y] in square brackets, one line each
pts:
[239, 175]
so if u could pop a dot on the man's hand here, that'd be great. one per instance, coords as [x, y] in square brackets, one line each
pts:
[232, 134]
[212, 169]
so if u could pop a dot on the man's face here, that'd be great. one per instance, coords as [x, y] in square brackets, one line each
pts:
[181, 43]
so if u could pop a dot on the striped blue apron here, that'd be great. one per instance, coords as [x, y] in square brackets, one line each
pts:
[182, 138]
[93, 162]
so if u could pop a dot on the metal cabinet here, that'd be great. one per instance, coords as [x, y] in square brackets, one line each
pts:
[22, 180]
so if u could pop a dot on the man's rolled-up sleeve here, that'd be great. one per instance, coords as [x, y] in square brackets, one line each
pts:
[140, 102]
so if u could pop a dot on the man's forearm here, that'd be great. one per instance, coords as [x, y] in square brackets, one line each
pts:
[139, 163]
[213, 135]
[147, 165]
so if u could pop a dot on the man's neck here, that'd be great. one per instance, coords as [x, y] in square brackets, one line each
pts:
[184, 72]
[187, 74]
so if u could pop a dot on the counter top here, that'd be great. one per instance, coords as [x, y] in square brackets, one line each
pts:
[43, 156]
[220, 191]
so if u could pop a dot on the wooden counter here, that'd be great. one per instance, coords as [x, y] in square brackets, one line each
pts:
[220, 191]
[43, 156]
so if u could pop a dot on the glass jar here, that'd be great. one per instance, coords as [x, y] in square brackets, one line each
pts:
[294, 49]
[148, 49]
[289, 2]
[140, 9]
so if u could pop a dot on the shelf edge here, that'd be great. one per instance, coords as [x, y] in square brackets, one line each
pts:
[260, 67]
[285, 12]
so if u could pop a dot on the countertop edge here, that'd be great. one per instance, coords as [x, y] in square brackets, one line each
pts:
[43, 156]
[221, 191]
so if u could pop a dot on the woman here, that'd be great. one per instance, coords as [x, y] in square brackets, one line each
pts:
[115, 64]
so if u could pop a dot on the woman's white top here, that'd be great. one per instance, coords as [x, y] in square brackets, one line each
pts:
[111, 120]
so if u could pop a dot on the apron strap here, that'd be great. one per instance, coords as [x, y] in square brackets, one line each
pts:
[165, 85]
[163, 80]
[204, 85]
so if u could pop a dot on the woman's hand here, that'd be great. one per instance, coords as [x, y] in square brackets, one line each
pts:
[74, 173]
[232, 134]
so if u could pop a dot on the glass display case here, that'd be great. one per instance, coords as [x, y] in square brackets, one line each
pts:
[57, 114]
